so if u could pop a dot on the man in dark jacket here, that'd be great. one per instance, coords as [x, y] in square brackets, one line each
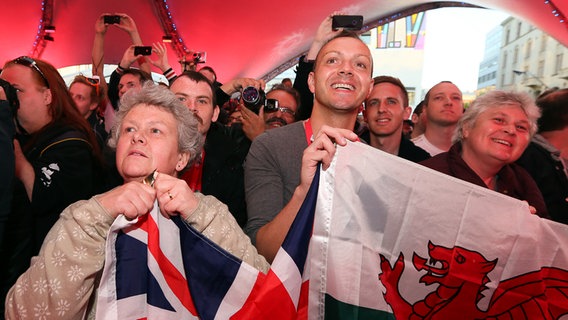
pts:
[545, 157]
[219, 171]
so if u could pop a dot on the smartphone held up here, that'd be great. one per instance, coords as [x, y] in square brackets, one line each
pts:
[347, 22]
[112, 19]
[142, 50]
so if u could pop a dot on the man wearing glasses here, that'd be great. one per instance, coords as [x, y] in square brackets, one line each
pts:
[279, 109]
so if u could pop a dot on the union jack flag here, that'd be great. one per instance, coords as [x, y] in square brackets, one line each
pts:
[160, 268]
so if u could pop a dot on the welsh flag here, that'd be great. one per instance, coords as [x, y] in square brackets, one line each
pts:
[393, 239]
[378, 237]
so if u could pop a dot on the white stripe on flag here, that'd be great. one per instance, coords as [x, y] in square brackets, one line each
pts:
[288, 275]
[169, 240]
[183, 313]
[126, 312]
[136, 233]
[107, 306]
[238, 292]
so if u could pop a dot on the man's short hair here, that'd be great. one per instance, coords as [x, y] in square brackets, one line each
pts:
[208, 68]
[342, 34]
[396, 82]
[419, 108]
[427, 97]
[291, 91]
[554, 108]
[198, 77]
[97, 95]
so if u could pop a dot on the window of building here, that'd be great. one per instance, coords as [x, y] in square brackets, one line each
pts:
[504, 60]
[529, 48]
[519, 25]
[558, 64]
[543, 42]
[507, 34]
[540, 71]
[516, 55]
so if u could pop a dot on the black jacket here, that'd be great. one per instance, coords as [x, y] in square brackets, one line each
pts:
[223, 171]
[65, 171]
[301, 84]
[550, 178]
[406, 150]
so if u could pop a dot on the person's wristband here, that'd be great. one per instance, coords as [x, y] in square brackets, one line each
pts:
[165, 73]
[170, 75]
[120, 69]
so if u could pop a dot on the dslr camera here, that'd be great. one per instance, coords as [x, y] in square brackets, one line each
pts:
[11, 95]
[253, 98]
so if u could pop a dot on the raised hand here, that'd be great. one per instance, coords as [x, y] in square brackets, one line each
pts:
[162, 53]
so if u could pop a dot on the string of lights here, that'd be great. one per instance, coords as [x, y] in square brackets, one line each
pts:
[556, 12]
[170, 29]
[42, 36]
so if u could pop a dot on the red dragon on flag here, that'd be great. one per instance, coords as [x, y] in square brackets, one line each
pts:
[462, 275]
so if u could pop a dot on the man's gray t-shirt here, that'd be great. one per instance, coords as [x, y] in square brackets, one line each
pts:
[272, 173]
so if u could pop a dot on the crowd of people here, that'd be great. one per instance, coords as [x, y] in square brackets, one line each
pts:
[81, 153]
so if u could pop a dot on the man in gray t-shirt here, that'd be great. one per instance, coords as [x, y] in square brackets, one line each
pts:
[282, 162]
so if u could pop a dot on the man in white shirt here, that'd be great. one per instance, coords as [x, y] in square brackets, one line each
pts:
[443, 106]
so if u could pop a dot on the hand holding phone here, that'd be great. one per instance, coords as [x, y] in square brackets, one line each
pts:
[347, 22]
[142, 50]
[112, 19]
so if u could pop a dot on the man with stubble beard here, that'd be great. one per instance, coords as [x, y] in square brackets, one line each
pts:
[219, 171]
[282, 162]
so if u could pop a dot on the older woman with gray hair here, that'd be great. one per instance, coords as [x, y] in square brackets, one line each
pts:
[491, 135]
[155, 136]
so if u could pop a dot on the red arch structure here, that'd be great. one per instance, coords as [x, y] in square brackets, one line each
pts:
[241, 38]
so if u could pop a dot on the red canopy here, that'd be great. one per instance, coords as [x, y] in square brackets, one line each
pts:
[241, 38]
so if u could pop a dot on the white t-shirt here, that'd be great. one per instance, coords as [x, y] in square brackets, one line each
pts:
[423, 143]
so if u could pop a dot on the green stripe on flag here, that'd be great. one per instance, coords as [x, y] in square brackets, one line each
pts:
[335, 309]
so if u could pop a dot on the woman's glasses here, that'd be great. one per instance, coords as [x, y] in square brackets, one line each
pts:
[29, 62]
[94, 81]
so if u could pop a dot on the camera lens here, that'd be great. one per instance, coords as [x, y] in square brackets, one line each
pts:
[253, 98]
[250, 94]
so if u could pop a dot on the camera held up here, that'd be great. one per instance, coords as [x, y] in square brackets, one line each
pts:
[253, 98]
[11, 95]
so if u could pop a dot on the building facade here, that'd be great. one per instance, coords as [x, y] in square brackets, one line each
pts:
[489, 66]
[530, 60]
